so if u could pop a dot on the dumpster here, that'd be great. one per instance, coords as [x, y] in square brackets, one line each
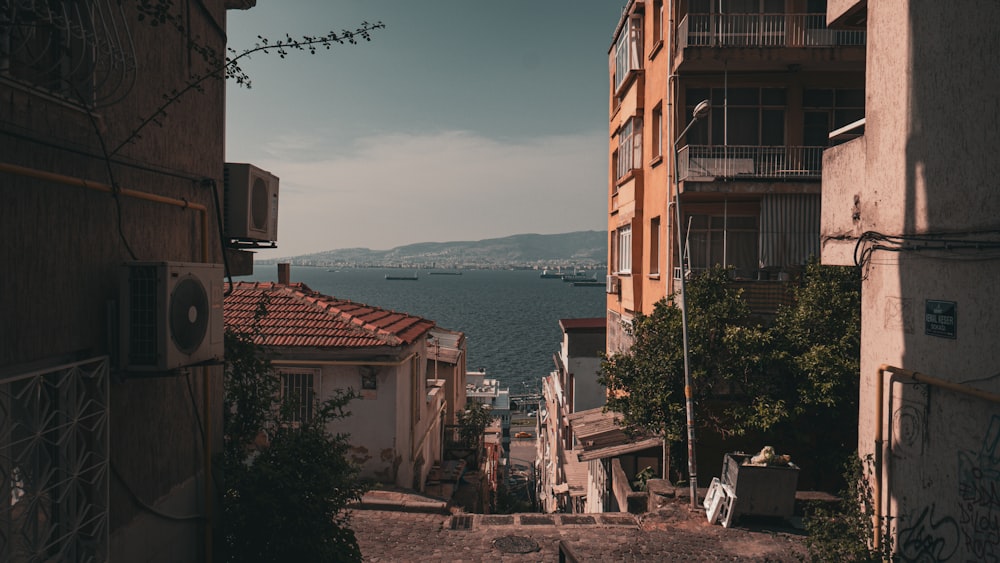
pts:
[760, 489]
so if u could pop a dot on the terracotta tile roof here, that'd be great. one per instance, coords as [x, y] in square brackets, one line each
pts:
[300, 317]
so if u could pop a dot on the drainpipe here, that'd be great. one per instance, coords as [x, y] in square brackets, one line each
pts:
[897, 374]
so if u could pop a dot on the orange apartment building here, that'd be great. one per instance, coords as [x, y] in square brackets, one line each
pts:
[778, 82]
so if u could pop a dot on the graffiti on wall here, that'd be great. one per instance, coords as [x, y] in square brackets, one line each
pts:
[979, 496]
[929, 538]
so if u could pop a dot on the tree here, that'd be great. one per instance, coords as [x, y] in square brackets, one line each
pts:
[800, 372]
[727, 348]
[287, 481]
[472, 423]
[159, 13]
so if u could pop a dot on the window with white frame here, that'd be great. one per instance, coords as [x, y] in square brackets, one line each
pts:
[625, 249]
[657, 131]
[628, 50]
[629, 146]
[298, 394]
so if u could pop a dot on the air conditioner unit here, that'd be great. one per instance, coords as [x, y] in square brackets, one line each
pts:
[251, 203]
[171, 315]
[613, 284]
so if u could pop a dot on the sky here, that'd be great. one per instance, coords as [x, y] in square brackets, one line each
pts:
[460, 120]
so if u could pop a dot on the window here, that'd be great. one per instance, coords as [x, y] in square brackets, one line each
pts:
[657, 131]
[625, 249]
[827, 110]
[658, 20]
[297, 393]
[720, 240]
[613, 245]
[741, 116]
[654, 246]
[80, 51]
[54, 460]
[629, 147]
[628, 50]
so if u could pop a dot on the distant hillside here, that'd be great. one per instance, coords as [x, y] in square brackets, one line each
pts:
[579, 249]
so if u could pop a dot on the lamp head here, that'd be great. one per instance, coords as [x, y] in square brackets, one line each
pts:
[702, 109]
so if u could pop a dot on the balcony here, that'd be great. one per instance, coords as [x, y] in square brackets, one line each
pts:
[762, 30]
[702, 162]
[764, 294]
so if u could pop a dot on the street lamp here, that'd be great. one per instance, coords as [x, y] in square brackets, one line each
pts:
[700, 111]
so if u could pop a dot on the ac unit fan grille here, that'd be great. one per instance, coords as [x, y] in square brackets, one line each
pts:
[259, 209]
[189, 315]
[143, 325]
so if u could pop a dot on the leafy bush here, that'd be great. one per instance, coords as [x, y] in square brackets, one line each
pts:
[287, 481]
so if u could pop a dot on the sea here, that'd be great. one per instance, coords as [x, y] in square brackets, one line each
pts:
[510, 317]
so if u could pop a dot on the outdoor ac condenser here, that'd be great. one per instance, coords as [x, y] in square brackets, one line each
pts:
[251, 203]
[171, 315]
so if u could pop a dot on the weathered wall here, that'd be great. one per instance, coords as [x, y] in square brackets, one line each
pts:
[932, 125]
[64, 246]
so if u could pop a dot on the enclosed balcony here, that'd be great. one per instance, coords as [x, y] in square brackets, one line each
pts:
[762, 30]
[709, 163]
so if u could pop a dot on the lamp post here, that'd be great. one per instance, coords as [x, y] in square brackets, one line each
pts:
[700, 111]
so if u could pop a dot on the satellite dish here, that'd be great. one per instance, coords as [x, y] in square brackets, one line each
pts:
[189, 314]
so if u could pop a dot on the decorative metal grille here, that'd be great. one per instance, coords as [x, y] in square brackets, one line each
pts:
[54, 464]
[80, 50]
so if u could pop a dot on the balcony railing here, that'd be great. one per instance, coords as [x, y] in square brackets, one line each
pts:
[762, 295]
[749, 162]
[762, 30]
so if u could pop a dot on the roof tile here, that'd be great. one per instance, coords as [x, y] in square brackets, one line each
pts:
[297, 316]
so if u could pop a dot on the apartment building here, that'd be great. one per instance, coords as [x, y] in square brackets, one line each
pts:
[914, 202]
[776, 81]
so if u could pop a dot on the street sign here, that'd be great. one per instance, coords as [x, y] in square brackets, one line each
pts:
[940, 318]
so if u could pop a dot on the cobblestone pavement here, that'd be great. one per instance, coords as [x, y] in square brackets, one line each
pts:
[672, 533]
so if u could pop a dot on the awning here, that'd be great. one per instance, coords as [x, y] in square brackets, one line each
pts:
[619, 449]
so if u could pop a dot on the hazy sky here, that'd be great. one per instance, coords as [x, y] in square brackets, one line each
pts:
[461, 120]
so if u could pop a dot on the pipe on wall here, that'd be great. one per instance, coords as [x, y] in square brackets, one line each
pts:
[203, 213]
[97, 186]
[897, 374]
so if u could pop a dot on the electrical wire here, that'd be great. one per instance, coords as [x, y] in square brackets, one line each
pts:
[146, 506]
[222, 234]
[871, 242]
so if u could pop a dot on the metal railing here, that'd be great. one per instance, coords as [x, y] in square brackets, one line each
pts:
[749, 162]
[762, 30]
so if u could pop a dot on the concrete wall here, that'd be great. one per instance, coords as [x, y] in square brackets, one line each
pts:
[63, 249]
[927, 167]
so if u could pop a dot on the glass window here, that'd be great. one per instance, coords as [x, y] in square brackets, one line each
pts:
[629, 147]
[654, 246]
[625, 249]
[628, 50]
[297, 392]
[718, 240]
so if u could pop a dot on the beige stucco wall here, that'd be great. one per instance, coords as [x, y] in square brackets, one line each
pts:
[927, 165]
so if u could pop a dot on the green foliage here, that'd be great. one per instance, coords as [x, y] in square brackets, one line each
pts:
[796, 375]
[472, 422]
[847, 532]
[642, 479]
[727, 350]
[286, 483]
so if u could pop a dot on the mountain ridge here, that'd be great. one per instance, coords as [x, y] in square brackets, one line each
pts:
[573, 249]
